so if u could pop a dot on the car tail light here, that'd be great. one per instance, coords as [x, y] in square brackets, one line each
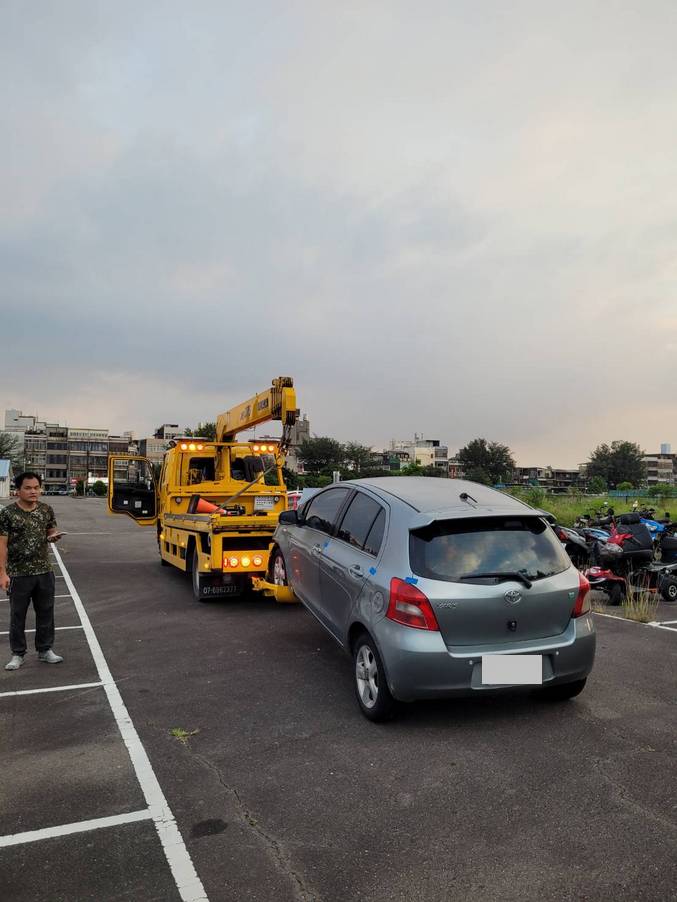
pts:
[231, 561]
[246, 561]
[582, 605]
[410, 607]
[257, 560]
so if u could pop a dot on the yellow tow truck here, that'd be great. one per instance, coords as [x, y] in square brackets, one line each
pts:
[217, 503]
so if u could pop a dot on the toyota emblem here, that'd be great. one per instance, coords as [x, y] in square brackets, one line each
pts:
[513, 596]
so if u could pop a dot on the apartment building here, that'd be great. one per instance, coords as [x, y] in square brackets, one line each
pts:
[63, 455]
[660, 467]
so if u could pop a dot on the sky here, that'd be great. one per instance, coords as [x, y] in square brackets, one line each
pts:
[454, 219]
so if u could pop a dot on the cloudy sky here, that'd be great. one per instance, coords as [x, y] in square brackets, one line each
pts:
[451, 218]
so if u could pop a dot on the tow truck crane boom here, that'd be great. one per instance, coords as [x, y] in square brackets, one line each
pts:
[277, 403]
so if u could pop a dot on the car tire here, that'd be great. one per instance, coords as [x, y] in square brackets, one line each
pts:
[669, 589]
[615, 594]
[278, 569]
[196, 577]
[562, 692]
[373, 695]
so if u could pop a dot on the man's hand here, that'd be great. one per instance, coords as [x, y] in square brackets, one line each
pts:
[4, 582]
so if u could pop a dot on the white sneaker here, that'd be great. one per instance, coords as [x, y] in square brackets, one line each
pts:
[49, 657]
[15, 663]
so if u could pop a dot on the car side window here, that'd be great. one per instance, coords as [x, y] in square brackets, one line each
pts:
[358, 520]
[373, 542]
[323, 509]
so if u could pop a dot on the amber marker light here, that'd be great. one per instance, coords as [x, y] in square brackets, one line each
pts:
[257, 560]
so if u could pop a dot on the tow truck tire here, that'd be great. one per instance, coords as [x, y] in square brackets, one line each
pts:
[669, 589]
[197, 578]
[278, 569]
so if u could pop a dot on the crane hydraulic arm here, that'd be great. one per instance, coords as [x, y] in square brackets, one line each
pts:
[277, 403]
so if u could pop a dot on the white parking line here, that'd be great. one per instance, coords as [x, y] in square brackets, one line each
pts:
[51, 689]
[656, 624]
[63, 596]
[187, 881]
[15, 839]
[78, 627]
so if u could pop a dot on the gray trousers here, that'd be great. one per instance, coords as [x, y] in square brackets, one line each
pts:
[39, 590]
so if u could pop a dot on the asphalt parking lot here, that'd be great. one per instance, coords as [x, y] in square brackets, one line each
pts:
[280, 790]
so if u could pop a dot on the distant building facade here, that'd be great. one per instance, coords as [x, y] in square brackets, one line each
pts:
[64, 455]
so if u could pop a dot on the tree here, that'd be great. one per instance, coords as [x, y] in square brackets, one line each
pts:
[660, 489]
[202, 430]
[10, 450]
[357, 457]
[479, 474]
[625, 486]
[490, 460]
[618, 462]
[99, 488]
[321, 455]
[597, 485]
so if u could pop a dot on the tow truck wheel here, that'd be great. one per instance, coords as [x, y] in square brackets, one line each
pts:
[278, 569]
[197, 578]
[669, 589]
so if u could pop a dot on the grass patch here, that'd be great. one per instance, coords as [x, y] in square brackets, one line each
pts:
[567, 508]
[183, 735]
[640, 605]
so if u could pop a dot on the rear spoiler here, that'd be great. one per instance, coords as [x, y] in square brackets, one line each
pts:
[456, 513]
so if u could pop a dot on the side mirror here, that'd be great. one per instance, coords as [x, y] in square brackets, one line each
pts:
[290, 517]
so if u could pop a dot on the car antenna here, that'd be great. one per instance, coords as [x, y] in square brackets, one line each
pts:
[464, 496]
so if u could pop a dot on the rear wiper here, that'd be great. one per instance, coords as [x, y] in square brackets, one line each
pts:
[503, 574]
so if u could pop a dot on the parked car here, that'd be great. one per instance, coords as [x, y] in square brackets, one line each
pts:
[437, 588]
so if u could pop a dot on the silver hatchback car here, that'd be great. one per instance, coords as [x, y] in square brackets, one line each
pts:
[438, 587]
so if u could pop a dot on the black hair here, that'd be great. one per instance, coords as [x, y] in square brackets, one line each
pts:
[22, 477]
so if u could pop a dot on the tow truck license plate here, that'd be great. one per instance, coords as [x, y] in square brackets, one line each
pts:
[264, 503]
[512, 670]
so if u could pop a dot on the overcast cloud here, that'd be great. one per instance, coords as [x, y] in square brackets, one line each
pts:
[456, 219]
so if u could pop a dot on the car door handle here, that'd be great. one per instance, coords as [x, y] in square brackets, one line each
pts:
[316, 549]
[356, 571]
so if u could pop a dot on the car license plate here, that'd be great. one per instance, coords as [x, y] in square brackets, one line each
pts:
[512, 670]
[264, 503]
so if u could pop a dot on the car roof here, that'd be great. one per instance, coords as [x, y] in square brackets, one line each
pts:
[439, 497]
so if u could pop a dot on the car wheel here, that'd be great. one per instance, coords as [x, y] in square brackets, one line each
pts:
[373, 695]
[669, 589]
[562, 692]
[198, 582]
[278, 569]
[615, 594]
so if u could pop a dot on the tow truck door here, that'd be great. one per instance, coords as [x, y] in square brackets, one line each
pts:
[132, 489]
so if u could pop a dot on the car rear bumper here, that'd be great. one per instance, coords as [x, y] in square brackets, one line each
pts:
[419, 665]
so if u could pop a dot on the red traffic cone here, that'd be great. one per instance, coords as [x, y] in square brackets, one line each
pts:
[200, 506]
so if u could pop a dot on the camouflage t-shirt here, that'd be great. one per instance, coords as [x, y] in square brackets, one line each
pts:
[26, 533]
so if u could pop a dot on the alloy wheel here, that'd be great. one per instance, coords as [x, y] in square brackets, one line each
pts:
[366, 675]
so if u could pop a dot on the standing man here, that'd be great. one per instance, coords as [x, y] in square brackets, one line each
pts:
[25, 572]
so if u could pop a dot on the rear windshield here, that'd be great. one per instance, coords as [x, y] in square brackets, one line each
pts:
[451, 549]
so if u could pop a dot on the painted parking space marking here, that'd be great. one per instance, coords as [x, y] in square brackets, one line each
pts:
[64, 596]
[78, 627]
[185, 876]
[15, 839]
[51, 689]
[656, 624]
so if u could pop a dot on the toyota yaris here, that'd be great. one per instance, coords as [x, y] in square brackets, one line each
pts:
[437, 588]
